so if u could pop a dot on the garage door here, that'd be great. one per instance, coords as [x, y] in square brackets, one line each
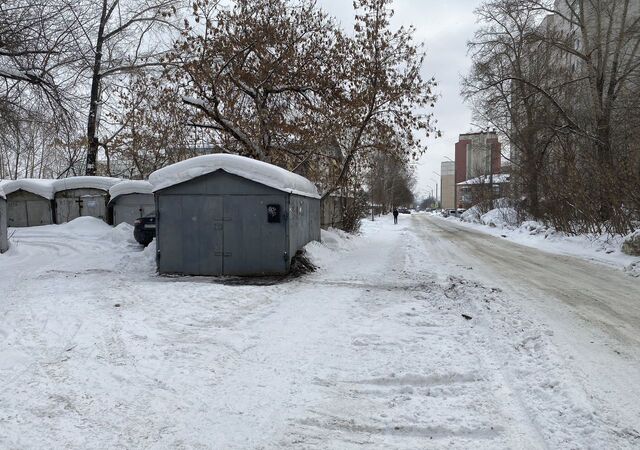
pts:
[190, 234]
[253, 245]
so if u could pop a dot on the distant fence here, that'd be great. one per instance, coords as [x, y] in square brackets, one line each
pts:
[332, 211]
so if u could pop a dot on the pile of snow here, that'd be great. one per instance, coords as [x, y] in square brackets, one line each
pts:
[500, 218]
[125, 187]
[41, 187]
[333, 241]
[251, 169]
[86, 226]
[84, 182]
[472, 215]
[631, 244]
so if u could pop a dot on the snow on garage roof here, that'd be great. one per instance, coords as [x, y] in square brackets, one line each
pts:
[2, 193]
[251, 169]
[43, 188]
[85, 182]
[130, 187]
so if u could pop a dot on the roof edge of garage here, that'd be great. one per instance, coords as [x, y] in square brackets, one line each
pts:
[126, 187]
[37, 186]
[84, 182]
[250, 169]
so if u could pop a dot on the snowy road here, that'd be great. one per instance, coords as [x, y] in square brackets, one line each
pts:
[371, 351]
[592, 309]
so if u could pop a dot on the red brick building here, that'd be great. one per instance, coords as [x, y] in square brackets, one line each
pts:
[477, 154]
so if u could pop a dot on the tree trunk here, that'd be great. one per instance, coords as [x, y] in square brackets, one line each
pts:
[92, 123]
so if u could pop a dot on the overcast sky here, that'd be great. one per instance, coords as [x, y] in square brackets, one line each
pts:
[445, 27]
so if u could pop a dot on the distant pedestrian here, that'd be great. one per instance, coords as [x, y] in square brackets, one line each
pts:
[395, 215]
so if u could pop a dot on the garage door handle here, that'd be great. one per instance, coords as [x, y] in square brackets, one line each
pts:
[227, 253]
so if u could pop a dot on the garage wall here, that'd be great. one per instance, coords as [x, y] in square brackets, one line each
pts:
[304, 222]
[127, 208]
[25, 209]
[4, 243]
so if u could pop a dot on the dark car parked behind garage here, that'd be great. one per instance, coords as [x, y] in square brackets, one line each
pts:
[144, 229]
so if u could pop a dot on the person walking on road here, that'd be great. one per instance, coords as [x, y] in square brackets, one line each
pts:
[395, 216]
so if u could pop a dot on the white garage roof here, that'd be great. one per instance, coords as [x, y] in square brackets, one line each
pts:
[130, 187]
[251, 169]
[85, 182]
[43, 188]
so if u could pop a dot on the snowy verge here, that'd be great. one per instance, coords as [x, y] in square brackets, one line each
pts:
[501, 222]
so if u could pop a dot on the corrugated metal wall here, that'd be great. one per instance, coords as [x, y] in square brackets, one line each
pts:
[74, 203]
[127, 208]
[304, 222]
[25, 209]
[4, 243]
[218, 224]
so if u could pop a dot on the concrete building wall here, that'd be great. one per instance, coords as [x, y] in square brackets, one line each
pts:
[25, 209]
[447, 183]
[4, 242]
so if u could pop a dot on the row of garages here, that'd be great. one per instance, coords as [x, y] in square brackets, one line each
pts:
[35, 202]
[215, 214]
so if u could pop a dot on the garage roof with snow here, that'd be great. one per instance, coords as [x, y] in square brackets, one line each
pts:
[41, 187]
[85, 182]
[251, 169]
[125, 187]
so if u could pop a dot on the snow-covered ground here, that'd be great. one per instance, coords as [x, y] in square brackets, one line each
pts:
[600, 248]
[387, 345]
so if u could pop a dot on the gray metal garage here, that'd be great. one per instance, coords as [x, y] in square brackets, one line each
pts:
[82, 196]
[4, 242]
[229, 215]
[29, 202]
[131, 199]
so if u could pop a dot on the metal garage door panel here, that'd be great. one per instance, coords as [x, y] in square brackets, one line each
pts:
[38, 212]
[209, 231]
[17, 214]
[94, 206]
[67, 209]
[170, 234]
[190, 234]
[252, 245]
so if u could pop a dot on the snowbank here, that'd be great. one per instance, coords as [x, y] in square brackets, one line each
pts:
[85, 182]
[258, 171]
[130, 187]
[500, 217]
[43, 188]
[631, 244]
[333, 240]
[472, 215]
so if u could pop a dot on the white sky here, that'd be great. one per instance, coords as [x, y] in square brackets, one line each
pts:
[445, 27]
